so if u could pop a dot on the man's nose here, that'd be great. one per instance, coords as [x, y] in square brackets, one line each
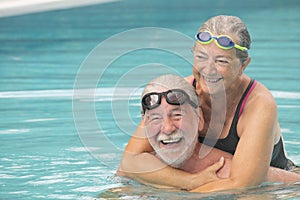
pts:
[168, 126]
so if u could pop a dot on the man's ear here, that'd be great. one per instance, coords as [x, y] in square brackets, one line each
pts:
[201, 120]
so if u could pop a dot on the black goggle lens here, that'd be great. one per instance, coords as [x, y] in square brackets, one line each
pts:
[173, 97]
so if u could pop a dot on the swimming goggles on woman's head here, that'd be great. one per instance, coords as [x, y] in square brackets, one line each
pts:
[223, 41]
[173, 97]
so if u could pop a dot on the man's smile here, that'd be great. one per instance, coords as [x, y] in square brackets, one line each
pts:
[171, 141]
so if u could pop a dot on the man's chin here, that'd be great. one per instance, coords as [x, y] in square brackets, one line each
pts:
[177, 156]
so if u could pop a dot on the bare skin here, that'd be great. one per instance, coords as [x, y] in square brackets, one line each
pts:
[255, 155]
[217, 71]
[194, 166]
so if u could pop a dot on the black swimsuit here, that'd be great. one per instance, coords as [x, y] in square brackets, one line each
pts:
[229, 143]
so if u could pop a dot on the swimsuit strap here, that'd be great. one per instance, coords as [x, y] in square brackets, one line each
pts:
[194, 83]
[229, 143]
[232, 139]
[245, 96]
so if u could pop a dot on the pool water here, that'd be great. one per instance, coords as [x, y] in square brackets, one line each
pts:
[70, 82]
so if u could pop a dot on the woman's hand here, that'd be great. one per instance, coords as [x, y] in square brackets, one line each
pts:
[211, 173]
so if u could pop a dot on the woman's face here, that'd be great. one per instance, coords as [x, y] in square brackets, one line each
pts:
[215, 68]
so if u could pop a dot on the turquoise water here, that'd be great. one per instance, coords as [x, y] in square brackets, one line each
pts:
[62, 139]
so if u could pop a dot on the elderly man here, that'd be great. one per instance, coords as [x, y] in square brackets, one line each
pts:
[172, 118]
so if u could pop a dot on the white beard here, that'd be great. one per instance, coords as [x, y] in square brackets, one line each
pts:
[183, 155]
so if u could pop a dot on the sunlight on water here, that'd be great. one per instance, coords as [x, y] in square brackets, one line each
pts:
[44, 154]
[74, 167]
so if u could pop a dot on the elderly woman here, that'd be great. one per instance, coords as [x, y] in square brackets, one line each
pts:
[240, 116]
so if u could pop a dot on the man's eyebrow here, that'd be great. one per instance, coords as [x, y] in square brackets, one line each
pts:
[179, 108]
[151, 114]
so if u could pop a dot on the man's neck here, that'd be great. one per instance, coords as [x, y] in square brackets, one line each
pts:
[194, 163]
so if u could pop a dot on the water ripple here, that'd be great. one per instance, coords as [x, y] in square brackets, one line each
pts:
[97, 188]
[13, 131]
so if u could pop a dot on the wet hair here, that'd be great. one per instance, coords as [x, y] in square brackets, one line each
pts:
[230, 25]
[168, 82]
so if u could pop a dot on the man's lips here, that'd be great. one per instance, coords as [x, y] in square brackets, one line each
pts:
[171, 141]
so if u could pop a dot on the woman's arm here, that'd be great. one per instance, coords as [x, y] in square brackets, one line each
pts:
[257, 127]
[281, 175]
[139, 164]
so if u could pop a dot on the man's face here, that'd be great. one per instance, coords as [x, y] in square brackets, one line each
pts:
[172, 131]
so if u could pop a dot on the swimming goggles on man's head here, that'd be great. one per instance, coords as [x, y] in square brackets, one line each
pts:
[173, 97]
[222, 41]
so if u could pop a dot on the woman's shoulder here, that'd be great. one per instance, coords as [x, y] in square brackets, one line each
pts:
[260, 107]
[261, 96]
[261, 91]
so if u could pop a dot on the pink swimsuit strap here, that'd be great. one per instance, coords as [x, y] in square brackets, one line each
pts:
[246, 97]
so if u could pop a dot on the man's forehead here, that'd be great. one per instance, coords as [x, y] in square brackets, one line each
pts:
[159, 89]
[164, 107]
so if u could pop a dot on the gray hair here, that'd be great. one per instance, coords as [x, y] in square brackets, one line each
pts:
[169, 82]
[230, 25]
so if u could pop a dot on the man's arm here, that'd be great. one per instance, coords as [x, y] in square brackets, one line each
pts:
[139, 164]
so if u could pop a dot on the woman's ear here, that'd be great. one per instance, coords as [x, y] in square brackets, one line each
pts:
[201, 120]
[244, 65]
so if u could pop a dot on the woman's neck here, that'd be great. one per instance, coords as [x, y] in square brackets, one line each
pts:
[232, 94]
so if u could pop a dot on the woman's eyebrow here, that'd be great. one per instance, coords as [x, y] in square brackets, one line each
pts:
[200, 53]
[224, 56]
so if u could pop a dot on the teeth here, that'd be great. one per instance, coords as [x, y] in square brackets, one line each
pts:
[170, 138]
[213, 80]
[176, 140]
